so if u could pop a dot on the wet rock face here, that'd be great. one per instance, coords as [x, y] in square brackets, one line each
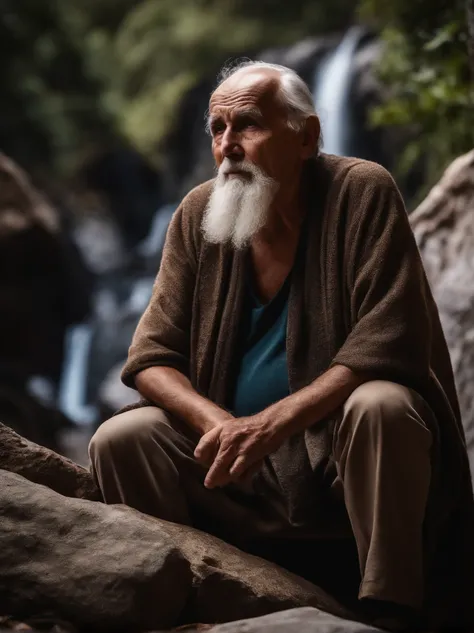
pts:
[444, 229]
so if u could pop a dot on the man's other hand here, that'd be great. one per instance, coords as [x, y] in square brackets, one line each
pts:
[234, 450]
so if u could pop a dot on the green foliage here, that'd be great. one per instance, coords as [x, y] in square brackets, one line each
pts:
[49, 101]
[84, 73]
[426, 69]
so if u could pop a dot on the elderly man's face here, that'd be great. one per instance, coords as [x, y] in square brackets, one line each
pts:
[248, 123]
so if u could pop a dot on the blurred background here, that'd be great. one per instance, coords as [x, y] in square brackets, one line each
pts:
[102, 133]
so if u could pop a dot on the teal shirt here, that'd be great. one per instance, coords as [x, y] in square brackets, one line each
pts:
[262, 370]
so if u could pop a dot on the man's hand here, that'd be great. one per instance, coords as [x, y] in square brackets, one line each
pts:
[234, 448]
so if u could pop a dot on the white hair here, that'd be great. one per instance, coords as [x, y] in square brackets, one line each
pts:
[238, 207]
[293, 92]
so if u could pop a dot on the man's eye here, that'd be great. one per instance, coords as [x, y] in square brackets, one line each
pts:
[218, 128]
[248, 122]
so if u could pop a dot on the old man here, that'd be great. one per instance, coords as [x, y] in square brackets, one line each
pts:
[296, 381]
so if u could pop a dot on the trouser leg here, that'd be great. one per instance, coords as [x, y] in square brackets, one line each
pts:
[144, 458]
[382, 448]
[139, 459]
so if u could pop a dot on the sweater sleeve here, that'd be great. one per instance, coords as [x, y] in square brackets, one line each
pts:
[163, 333]
[390, 332]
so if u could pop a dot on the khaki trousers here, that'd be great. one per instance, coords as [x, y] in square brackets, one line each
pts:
[382, 451]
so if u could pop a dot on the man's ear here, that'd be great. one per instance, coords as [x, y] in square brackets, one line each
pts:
[311, 134]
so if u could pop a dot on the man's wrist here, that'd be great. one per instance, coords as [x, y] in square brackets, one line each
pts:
[283, 415]
[210, 419]
[313, 403]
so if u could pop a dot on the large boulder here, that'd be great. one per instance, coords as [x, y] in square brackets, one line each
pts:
[228, 582]
[43, 466]
[93, 565]
[45, 285]
[302, 620]
[111, 568]
[444, 229]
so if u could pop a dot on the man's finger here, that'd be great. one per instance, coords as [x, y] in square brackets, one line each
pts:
[206, 454]
[218, 474]
[202, 449]
[240, 466]
[207, 447]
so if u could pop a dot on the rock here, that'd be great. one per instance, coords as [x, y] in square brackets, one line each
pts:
[303, 620]
[95, 566]
[228, 582]
[45, 285]
[43, 466]
[111, 567]
[44, 625]
[444, 229]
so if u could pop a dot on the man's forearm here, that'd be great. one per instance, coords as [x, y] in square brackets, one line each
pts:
[168, 388]
[315, 402]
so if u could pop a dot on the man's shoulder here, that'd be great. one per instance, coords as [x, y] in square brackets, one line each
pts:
[355, 171]
[194, 202]
[188, 216]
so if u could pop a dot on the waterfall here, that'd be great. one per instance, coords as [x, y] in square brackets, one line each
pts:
[332, 82]
[72, 399]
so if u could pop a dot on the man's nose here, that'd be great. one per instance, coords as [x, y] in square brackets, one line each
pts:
[231, 148]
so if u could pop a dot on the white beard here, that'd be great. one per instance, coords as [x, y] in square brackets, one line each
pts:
[238, 206]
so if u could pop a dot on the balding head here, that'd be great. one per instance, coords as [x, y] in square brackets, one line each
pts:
[250, 78]
[263, 128]
[286, 86]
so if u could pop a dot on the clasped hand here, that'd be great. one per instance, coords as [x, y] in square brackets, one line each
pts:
[235, 448]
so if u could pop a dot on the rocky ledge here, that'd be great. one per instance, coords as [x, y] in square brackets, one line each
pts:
[69, 563]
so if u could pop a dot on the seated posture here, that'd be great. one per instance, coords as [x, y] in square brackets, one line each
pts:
[298, 396]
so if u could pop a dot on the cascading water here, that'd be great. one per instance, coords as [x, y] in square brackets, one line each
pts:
[331, 91]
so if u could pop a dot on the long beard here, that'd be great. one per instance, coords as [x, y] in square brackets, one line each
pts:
[238, 207]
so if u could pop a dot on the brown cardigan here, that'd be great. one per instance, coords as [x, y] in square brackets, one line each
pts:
[359, 298]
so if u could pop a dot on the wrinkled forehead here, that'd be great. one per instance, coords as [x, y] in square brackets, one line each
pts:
[247, 90]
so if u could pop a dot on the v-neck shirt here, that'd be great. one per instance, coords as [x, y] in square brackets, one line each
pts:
[262, 368]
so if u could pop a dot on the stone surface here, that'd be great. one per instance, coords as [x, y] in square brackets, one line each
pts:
[87, 564]
[43, 466]
[95, 566]
[303, 620]
[444, 229]
[229, 583]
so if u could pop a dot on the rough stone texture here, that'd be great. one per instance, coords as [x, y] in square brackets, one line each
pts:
[303, 620]
[43, 466]
[91, 565]
[229, 583]
[444, 229]
[87, 563]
